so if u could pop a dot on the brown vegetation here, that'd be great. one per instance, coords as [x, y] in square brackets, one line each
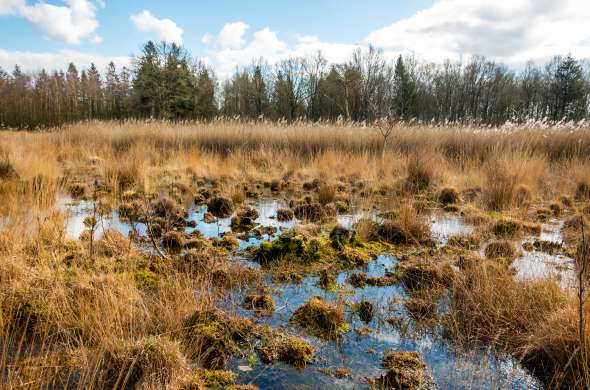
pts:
[92, 307]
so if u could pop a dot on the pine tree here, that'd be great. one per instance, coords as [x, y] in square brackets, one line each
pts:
[332, 95]
[570, 91]
[179, 85]
[94, 92]
[72, 91]
[147, 83]
[259, 93]
[404, 91]
[205, 105]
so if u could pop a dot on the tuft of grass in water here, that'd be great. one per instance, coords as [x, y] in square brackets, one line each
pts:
[77, 309]
[500, 186]
[321, 318]
[420, 175]
[490, 307]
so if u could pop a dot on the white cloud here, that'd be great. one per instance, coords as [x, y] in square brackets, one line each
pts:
[11, 7]
[334, 52]
[34, 61]
[510, 31]
[71, 23]
[162, 29]
[231, 35]
[226, 54]
[206, 39]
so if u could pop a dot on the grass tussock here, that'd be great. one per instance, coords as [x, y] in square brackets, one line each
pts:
[500, 186]
[100, 312]
[490, 307]
[322, 319]
[408, 227]
[553, 352]
[420, 175]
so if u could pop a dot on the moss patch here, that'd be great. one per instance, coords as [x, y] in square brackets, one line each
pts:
[322, 319]
[259, 303]
[406, 370]
[278, 346]
[212, 337]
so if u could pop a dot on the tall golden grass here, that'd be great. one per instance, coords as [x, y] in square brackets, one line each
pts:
[546, 160]
[71, 317]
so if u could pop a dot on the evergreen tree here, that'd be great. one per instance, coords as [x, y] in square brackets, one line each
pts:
[205, 104]
[72, 91]
[179, 85]
[147, 83]
[332, 95]
[569, 90]
[94, 92]
[404, 91]
[259, 93]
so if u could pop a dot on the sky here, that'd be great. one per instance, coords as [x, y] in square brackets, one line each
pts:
[227, 34]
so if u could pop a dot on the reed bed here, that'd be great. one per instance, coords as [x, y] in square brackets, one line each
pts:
[79, 317]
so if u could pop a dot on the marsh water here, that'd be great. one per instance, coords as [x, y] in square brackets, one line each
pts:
[360, 350]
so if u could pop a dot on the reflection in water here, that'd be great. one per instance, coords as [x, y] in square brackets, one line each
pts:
[445, 225]
[537, 265]
[362, 355]
[475, 370]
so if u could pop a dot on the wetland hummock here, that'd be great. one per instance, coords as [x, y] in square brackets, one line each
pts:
[149, 262]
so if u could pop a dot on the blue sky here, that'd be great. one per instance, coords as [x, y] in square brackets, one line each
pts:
[331, 20]
[230, 33]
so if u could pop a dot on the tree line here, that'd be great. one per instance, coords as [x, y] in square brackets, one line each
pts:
[165, 82]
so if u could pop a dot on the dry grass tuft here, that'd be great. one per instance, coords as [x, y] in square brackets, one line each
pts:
[500, 186]
[490, 307]
[75, 318]
[420, 175]
[552, 351]
[321, 318]
[448, 195]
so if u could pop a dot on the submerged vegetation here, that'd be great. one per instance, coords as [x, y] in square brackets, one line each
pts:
[174, 276]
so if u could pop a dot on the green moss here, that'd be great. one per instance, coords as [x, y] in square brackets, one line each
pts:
[146, 279]
[406, 370]
[506, 228]
[263, 303]
[277, 346]
[212, 337]
[305, 254]
[322, 319]
[494, 215]
[216, 379]
[292, 246]
[354, 257]
[228, 241]
[341, 237]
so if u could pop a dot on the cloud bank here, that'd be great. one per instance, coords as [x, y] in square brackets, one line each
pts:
[34, 61]
[71, 23]
[512, 32]
[160, 29]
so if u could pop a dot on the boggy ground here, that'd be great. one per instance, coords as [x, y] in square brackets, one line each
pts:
[184, 291]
